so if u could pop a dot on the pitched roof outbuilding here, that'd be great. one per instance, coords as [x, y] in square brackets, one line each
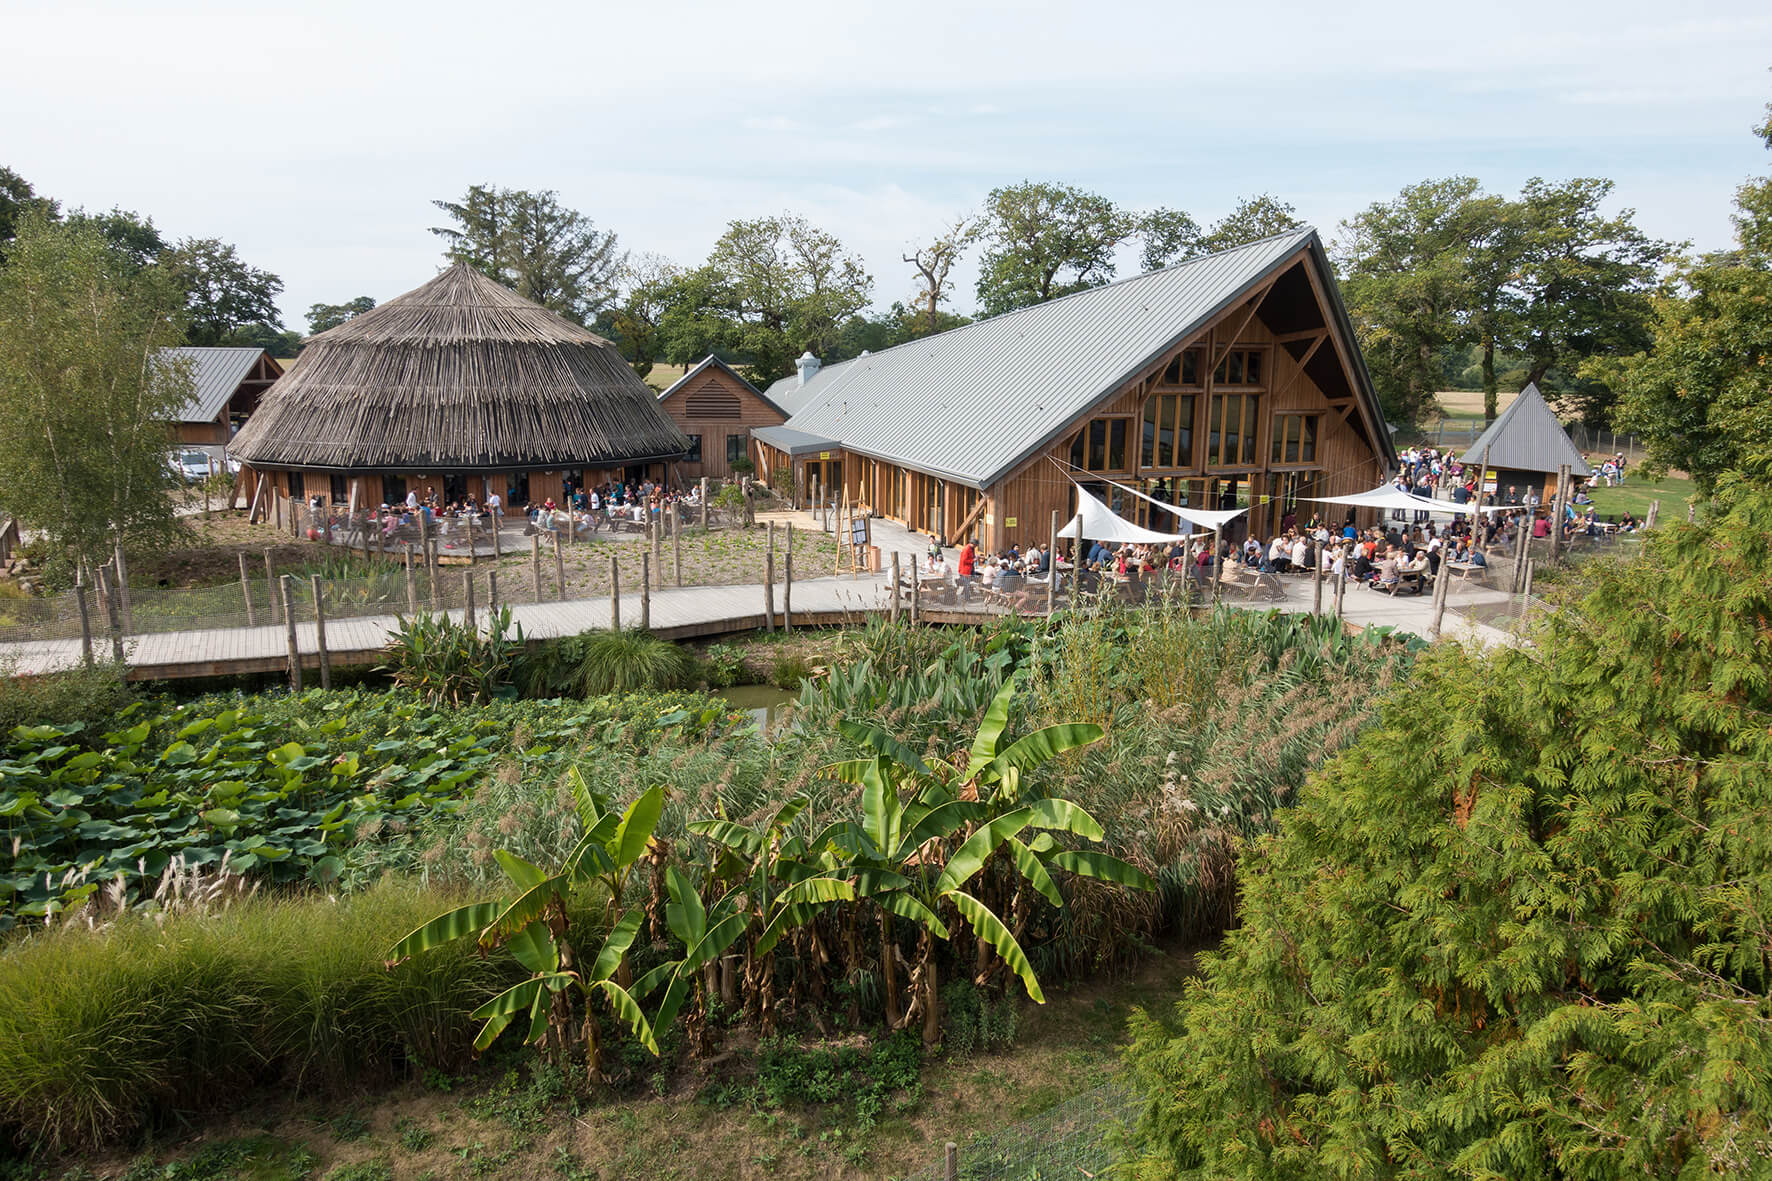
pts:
[972, 403]
[1527, 437]
[216, 374]
[460, 373]
[713, 362]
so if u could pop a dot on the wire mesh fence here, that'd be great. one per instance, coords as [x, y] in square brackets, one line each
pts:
[1082, 1137]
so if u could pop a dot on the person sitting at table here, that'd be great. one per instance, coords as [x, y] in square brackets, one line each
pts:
[1279, 554]
[1300, 555]
[1385, 570]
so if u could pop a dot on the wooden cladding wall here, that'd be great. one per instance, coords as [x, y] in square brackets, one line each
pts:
[717, 405]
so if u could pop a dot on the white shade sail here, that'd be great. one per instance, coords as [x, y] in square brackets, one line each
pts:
[1204, 518]
[1389, 496]
[1095, 521]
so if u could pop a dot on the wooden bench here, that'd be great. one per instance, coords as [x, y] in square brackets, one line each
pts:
[1467, 572]
[1251, 584]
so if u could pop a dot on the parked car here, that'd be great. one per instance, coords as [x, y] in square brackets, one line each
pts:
[192, 465]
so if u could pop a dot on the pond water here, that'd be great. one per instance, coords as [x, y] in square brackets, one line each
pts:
[767, 705]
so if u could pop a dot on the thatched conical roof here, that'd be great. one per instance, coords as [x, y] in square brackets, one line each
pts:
[460, 373]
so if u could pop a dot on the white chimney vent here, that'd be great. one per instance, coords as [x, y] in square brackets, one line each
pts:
[808, 366]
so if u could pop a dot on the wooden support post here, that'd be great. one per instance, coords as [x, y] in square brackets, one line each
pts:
[1340, 586]
[1052, 565]
[497, 540]
[895, 591]
[787, 588]
[704, 504]
[320, 633]
[645, 592]
[424, 531]
[1215, 570]
[535, 564]
[431, 569]
[85, 622]
[283, 581]
[491, 591]
[614, 594]
[246, 589]
[951, 1162]
[916, 596]
[411, 584]
[1442, 587]
[676, 548]
[1316, 581]
[468, 598]
[271, 585]
[559, 570]
[1522, 550]
[1557, 501]
[769, 583]
[1654, 512]
[470, 524]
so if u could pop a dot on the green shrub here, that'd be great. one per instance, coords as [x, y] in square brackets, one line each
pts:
[1520, 932]
[788, 670]
[105, 1032]
[722, 665]
[599, 663]
[450, 663]
[93, 698]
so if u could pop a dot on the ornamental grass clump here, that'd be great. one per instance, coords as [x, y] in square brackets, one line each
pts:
[107, 1032]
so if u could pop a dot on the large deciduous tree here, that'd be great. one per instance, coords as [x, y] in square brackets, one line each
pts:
[17, 200]
[1701, 398]
[1260, 216]
[1521, 931]
[1047, 240]
[537, 247]
[322, 316]
[1169, 236]
[86, 400]
[648, 281]
[935, 263]
[774, 287]
[222, 293]
[1408, 288]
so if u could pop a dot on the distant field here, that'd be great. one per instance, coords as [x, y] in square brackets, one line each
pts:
[1468, 404]
[1633, 496]
[663, 377]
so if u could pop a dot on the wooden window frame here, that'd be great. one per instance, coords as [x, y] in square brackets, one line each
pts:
[1280, 436]
[1249, 432]
[694, 455]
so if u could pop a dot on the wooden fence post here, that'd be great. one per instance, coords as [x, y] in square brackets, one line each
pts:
[704, 504]
[535, 564]
[787, 588]
[271, 585]
[283, 581]
[1214, 569]
[614, 594]
[246, 589]
[894, 610]
[1317, 580]
[411, 584]
[468, 584]
[497, 541]
[769, 583]
[85, 622]
[491, 590]
[1340, 585]
[559, 569]
[1442, 587]
[1654, 511]
[916, 596]
[951, 1165]
[1052, 565]
[646, 592]
[320, 634]
[676, 547]
[431, 567]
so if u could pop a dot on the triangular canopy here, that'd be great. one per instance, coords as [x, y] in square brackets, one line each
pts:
[459, 374]
[1095, 521]
[1205, 518]
[1387, 496]
[1528, 438]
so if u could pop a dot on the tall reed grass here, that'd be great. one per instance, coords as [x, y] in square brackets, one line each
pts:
[107, 1032]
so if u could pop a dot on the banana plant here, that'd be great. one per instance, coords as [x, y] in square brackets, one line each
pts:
[775, 886]
[912, 811]
[706, 934]
[533, 926]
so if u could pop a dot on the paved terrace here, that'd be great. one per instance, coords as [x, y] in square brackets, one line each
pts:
[692, 612]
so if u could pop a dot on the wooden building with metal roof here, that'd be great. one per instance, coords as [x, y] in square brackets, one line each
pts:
[716, 409]
[1224, 381]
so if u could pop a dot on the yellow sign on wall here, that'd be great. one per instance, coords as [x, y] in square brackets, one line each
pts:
[824, 454]
[1009, 522]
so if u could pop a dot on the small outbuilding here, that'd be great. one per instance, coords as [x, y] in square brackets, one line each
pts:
[459, 388]
[1526, 446]
[717, 409]
[226, 386]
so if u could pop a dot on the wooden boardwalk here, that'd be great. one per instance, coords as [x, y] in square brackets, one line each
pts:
[675, 614]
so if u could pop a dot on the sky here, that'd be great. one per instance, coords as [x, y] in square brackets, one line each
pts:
[314, 136]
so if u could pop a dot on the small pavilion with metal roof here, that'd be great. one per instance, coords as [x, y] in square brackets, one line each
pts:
[1525, 447]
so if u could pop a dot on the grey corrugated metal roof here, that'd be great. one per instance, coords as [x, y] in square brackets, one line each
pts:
[972, 403]
[1527, 437]
[215, 374]
[712, 361]
[785, 438]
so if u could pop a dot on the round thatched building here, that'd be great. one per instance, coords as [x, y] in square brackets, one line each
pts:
[460, 387]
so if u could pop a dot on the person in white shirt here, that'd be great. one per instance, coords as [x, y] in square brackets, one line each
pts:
[1300, 554]
[496, 506]
[412, 498]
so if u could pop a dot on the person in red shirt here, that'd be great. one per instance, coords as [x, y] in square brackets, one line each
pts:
[968, 560]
